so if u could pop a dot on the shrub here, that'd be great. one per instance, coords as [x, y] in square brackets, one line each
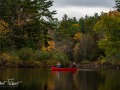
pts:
[85, 62]
[9, 59]
[42, 55]
[4, 57]
[25, 54]
[61, 58]
[14, 59]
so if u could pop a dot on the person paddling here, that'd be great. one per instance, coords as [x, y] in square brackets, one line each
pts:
[74, 65]
[58, 65]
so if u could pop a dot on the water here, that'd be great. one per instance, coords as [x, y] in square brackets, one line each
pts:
[45, 79]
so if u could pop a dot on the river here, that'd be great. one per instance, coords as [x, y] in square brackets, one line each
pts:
[45, 79]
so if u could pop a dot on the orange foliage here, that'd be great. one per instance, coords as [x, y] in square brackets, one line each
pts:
[114, 14]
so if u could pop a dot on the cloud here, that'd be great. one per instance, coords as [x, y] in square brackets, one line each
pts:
[79, 12]
[80, 8]
[87, 3]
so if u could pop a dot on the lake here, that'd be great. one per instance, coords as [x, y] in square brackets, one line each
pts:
[45, 79]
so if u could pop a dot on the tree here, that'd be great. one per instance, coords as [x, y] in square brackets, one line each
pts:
[84, 47]
[117, 2]
[29, 21]
[67, 28]
[4, 37]
[109, 25]
[87, 23]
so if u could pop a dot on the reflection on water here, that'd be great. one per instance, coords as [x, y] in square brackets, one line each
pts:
[45, 79]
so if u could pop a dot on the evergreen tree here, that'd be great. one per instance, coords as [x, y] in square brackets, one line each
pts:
[117, 2]
[29, 21]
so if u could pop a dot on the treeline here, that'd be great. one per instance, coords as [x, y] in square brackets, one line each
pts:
[25, 23]
[24, 33]
[77, 38]
[29, 35]
[91, 38]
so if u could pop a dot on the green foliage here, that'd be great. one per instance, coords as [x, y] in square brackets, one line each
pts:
[109, 60]
[117, 2]
[29, 21]
[4, 57]
[88, 23]
[42, 55]
[67, 28]
[14, 59]
[37, 55]
[27, 25]
[77, 39]
[9, 59]
[103, 61]
[85, 62]
[25, 54]
[110, 28]
[62, 58]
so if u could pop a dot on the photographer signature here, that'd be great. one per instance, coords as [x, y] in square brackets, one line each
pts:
[10, 82]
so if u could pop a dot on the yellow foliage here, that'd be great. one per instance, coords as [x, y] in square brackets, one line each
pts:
[6, 56]
[76, 25]
[44, 48]
[108, 21]
[78, 36]
[3, 27]
[9, 58]
[50, 47]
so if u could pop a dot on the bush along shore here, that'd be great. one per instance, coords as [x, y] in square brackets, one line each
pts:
[28, 58]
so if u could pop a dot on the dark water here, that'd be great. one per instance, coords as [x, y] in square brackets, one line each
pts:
[45, 79]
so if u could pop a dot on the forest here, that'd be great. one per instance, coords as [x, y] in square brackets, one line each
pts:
[31, 36]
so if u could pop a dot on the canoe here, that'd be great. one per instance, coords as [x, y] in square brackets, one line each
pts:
[63, 69]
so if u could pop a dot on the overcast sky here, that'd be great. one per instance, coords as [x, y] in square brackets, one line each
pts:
[80, 8]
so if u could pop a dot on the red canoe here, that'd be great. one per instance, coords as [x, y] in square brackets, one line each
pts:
[63, 69]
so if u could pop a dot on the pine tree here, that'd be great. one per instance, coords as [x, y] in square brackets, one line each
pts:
[29, 21]
[117, 2]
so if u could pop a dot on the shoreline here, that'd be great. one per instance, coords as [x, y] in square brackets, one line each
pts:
[99, 66]
[80, 66]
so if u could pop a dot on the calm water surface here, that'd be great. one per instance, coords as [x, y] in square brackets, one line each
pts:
[45, 79]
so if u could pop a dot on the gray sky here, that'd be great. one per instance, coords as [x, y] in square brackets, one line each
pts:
[80, 8]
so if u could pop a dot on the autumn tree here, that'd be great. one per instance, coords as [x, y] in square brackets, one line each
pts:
[84, 47]
[109, 26]
[71, 28]
[4, 35]
[65, 33]
[85, 40]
